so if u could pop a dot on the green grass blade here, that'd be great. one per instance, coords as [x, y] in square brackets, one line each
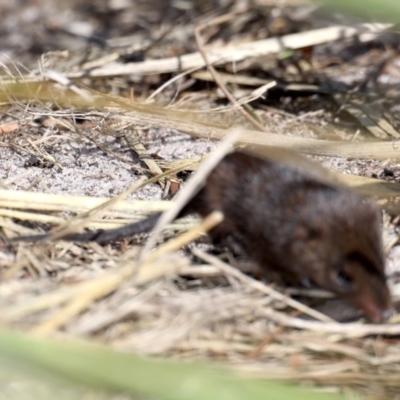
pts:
[384, 10]
[104, 368]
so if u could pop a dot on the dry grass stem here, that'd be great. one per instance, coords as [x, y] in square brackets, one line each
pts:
[347, 330]
[226, 268]
[192, 187]
[287, 80]
[235, 53]
[214, 73]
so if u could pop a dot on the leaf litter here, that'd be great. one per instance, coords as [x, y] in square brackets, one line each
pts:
[82, 111]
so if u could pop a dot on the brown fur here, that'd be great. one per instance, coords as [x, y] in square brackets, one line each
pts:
[305, 229]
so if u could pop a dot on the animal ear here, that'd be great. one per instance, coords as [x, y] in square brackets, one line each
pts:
[308, 230]
[300, 234]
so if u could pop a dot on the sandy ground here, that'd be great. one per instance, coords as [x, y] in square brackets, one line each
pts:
[87, 170]
[80, 167]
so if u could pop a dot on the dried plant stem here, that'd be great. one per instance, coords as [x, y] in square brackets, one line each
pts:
[88, 292]
[260, 286]
[350, 330]
[192, 187]
[214, 73]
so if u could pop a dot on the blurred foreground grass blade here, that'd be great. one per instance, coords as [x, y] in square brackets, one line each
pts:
[103, 368]
[388, 10]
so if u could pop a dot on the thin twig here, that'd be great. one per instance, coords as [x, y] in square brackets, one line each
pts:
[215, 75]
[261, 286]
[192, 187]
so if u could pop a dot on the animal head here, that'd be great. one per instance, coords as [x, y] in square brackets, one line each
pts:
[339, 249]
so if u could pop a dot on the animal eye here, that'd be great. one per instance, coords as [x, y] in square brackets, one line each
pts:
[343, 278]
[314, 233]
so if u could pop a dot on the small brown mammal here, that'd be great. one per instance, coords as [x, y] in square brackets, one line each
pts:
[305, 229]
